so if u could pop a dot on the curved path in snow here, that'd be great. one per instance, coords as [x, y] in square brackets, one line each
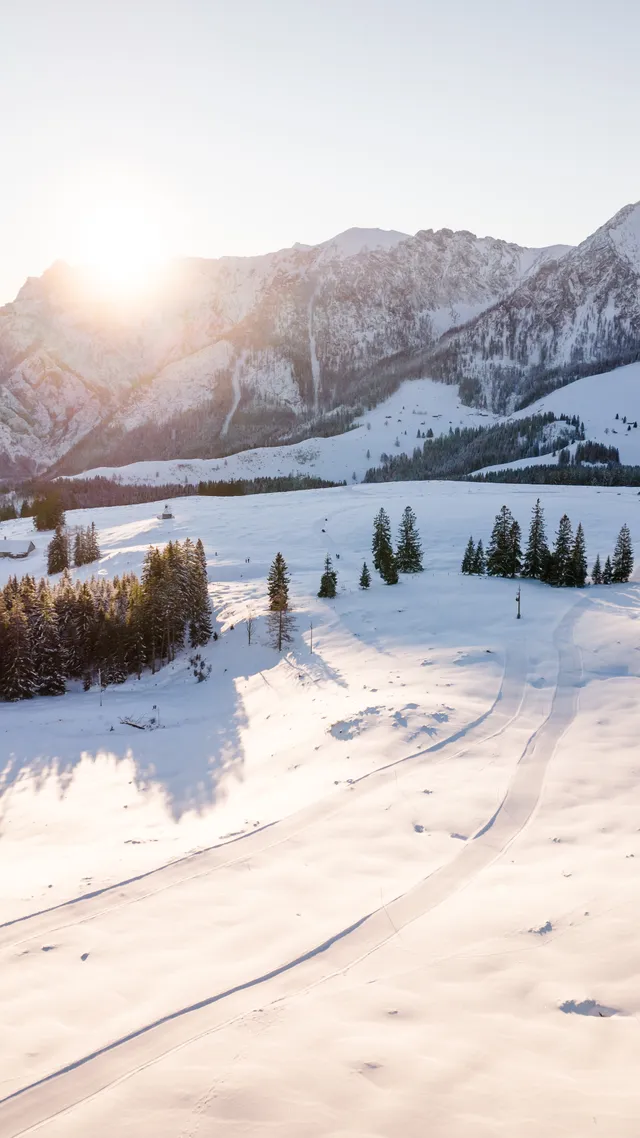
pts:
[58, 1092]
[76, 910]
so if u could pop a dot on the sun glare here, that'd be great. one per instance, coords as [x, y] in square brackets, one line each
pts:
[121, 247]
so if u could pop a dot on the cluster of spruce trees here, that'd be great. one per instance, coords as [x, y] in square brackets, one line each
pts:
[77, 630]
[407, 557]
[85, 548]
[563, 565]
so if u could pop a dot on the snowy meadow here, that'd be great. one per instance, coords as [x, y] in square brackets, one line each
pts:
[383, 882]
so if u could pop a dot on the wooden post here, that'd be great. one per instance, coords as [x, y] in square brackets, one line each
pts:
[518, 602]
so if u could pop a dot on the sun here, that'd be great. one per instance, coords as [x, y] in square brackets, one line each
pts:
[121, 246]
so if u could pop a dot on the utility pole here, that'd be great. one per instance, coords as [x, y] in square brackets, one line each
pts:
[518, 603]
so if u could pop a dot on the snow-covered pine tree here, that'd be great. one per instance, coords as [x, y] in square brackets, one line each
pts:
[479, 561]
[596, 572]
[93, 548]
[18, 681]
[409, 548]
[577, 569]
[58, 552]
[622, 567]
[381, 543]
[47, 654]
[78, 548]
[365, 577]
[469, 557]
[515, 551]
[536, 551]
[328, 580]
[560, 569]
[607, 572]
[499, 553]
[388, 568]
[278, 584]
[200, 623]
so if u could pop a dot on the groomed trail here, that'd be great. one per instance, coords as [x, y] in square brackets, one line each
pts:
[30, 1106]
[273, 834]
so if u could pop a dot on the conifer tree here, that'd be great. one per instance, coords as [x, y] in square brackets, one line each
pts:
[200, 623]
[409, 548]
[500, 554]
[329, 580]
[58, 552]
[535, 555]
[78, 548]
[278, 584]
[561, 565]
[93, 549]
[47, 654]
[596, 572]
[365, 577]
[19, 681]
[468, 560]
[479, 562]
[607, 572]
[622, 567]
[389, 569]
[577, 568]
[515, 552]
[381, 544]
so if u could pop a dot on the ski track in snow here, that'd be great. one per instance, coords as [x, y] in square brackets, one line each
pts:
[506, 703]
[30, 1106]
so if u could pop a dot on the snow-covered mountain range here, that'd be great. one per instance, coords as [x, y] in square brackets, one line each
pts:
[231, 353]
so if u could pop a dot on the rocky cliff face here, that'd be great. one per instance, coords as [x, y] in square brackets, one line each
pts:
[570, 318]
[241, 351]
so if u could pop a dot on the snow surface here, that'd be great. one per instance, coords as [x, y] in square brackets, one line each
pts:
[365, 891]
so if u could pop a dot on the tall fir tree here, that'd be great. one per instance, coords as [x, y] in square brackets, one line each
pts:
[19, 680]
[365, 577]
[607, 572]
[537, 549]
[200, 622]
[278, 584]
[596, 572]
[561, 563]
[381, 543]
[622, 566]
[47, 654]
[409, 547]
[58, 552]
[93, 548]
[500, 552]
[469, 557]
[514, 564]
[328, 580]
[577, 569]
[479, 561]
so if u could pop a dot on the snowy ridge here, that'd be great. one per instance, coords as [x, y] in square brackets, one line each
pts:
[295, 333]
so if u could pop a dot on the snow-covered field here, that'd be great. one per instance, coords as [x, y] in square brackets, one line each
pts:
[363, 891]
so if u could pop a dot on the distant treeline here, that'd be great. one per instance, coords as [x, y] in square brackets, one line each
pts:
[614, 474]
[466, 449]
[237, 486]
[47, 501]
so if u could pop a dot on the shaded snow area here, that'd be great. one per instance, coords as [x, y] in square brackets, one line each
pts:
[597, 399]
[390, 888]
[417, 405]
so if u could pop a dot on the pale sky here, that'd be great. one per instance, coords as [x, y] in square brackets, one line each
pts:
[207, 127]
